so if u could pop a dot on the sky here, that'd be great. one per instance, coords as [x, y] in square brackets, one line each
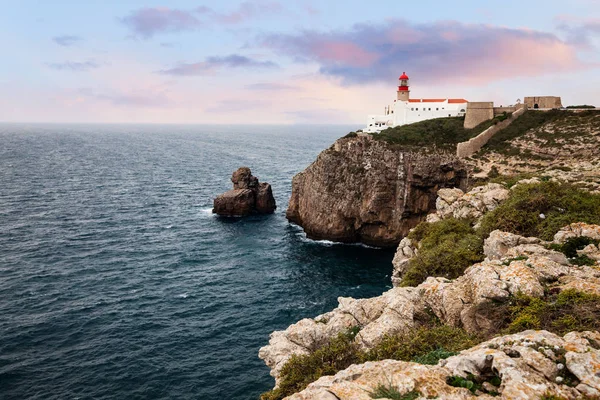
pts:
[292, 62]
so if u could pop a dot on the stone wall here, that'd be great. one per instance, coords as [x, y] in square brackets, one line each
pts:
[502, 110]
[473, 145]
[543, 102]
[478, 112]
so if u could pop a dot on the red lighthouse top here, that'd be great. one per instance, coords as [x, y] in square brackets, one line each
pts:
[403, 76]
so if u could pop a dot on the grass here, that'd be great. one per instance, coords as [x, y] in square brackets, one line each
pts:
[442, 133]
[429, 344]
[568, 123]
[570, 247]
[560, 203]
[567, 311]
[528, 120]
[299, 371]
[389, 391]
[446, 249]
[341, 352]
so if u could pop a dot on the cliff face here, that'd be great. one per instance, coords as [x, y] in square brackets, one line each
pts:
[363, 190]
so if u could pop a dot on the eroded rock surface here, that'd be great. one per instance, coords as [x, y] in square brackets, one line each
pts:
[514, 265]
[528, 364]
[472, 205]
[248, 196]
[365, 190]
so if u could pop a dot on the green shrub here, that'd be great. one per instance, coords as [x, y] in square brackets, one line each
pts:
[342, 352]
[528, 120]
[299, 371]
[388, 391]
[568, 311]
[561, 204]
[582, 106]
[493, 172]
[442, 133]
[475, 383]
[446, 249]
[351, 135]
[424, 344]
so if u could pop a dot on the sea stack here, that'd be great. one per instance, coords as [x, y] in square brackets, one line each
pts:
[247, 197]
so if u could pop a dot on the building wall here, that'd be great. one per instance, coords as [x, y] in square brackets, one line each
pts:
[478, 112]
[473, 145]
[411, 112]
[543, 102]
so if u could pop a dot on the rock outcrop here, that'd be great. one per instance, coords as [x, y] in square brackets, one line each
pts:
[513, 265]
[365, 190]
[248, 196]
[529, 365]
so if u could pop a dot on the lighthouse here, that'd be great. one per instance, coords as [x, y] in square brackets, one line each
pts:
[403, 90]
[405, 110]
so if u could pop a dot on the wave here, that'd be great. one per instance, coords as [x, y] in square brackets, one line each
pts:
[300, 234]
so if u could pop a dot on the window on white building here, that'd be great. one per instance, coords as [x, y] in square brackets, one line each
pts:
[437, 109]
[430, 109]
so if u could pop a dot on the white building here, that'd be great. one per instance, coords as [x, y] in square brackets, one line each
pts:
[405, 110]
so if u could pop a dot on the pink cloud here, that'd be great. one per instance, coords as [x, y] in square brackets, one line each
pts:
[344, 52]
[437, 52]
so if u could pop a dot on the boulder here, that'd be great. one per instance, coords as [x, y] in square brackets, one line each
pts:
[234, 203]
[247, 197]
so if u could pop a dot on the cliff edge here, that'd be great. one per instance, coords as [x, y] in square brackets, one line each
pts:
[370, 191]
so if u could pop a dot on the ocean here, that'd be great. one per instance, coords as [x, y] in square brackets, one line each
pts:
[117, 281]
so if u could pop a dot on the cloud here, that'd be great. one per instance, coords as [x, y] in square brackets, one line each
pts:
[130, 99]
[437, 52]
[213, 64]
[66, 40]
[248, 10]
[74, 66]
[270, 86]
[146, 22]
[579, 31]
[149, 21]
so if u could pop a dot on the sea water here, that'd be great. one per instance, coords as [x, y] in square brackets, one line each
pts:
[117, 281]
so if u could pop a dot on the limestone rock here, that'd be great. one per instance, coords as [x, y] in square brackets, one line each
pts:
[523, 268]
[473, 205]
[406, 250]
[248, 196]
[525, 370]
[365, 190]
[577, 229]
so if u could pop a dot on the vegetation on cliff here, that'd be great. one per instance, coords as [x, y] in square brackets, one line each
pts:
[446, 249]
[567, 311]
[426, 345]
[442, 133]
[540, 210]
[560, 313]
[566, 125]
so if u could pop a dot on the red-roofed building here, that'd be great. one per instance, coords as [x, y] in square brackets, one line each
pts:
[405, 110]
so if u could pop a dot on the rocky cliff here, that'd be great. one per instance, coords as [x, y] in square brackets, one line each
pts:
[364, 190]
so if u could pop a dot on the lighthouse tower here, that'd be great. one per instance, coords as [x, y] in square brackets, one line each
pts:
[403, 91]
